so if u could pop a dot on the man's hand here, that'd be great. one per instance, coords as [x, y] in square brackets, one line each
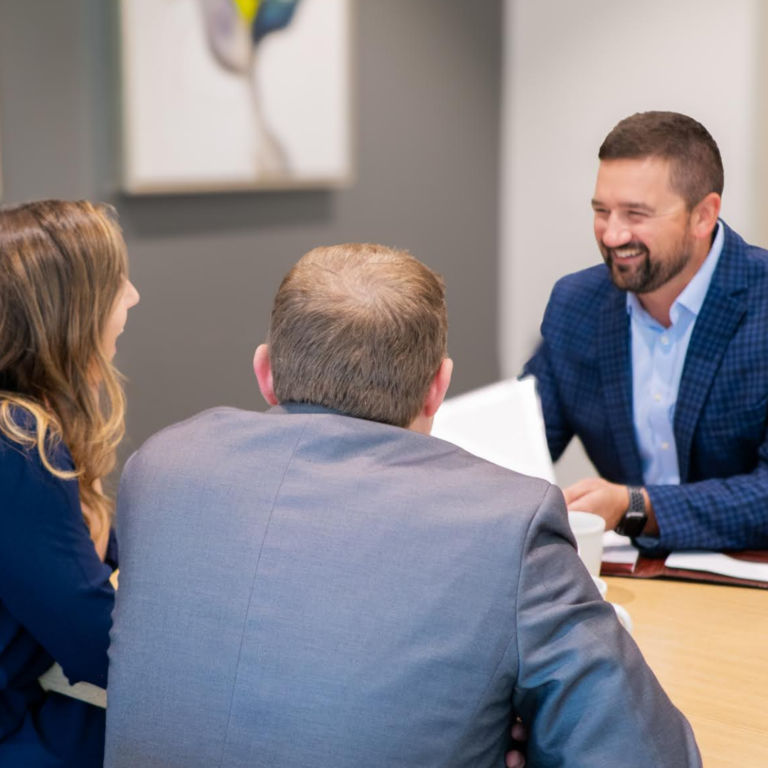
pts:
[600, 497]
[515, 759]
[608, 500]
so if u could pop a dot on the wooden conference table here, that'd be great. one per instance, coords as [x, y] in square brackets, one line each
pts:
[708, 645]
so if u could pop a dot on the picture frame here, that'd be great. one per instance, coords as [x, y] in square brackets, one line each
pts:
[224, 95]
[1, 163]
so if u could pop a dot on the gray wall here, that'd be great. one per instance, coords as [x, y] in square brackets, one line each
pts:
[428, 79]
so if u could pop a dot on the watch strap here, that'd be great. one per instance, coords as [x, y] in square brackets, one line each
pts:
[635, 518]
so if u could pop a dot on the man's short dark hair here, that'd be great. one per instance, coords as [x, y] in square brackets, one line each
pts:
[361, 329]
[696, 168]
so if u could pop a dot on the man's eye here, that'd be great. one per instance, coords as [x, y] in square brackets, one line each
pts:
[638, 214]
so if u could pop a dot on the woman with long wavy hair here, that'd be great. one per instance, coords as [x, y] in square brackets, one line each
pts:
[64, 298]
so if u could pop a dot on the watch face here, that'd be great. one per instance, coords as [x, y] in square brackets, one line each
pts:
[632, 524]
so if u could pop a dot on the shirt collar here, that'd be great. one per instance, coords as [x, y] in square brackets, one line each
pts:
[695, 292]
[693, 295]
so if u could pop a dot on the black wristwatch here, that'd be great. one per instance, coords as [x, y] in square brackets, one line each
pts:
[635, 518]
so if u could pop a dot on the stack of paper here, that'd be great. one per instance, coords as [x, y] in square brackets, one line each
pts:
[716, 562]
[619, 549]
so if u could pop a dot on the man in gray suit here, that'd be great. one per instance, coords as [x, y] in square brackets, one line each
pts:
[327, 585]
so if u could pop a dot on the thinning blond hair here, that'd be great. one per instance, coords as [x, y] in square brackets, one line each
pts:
[63, 266]
[359, 328]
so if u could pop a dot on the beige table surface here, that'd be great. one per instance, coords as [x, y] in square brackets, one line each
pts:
[708, 645]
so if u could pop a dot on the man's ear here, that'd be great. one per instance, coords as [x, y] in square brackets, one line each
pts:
[438, 388]
[705, 215]
[262, 367]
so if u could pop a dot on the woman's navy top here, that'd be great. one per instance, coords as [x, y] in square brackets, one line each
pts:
[55, 605]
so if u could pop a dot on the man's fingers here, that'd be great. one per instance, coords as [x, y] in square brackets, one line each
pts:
[519, 733]
[585, 502]
[589, 502]
[577, 490]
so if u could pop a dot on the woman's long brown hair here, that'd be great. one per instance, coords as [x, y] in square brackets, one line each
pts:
[63, 265]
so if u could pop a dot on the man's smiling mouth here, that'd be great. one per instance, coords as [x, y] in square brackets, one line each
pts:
[627, 252]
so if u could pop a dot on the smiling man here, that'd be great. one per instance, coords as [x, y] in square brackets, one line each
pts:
[657, 358]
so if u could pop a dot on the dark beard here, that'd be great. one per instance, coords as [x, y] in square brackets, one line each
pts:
[649, 275]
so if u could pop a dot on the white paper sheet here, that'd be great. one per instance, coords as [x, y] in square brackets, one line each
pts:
[619, 549]
[502, 423]
[55, 680]
[716, 562]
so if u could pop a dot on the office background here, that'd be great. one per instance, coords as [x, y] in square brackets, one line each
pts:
[477, 127]
[427, 105]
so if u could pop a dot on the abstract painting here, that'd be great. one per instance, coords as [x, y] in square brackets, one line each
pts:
[235, 94]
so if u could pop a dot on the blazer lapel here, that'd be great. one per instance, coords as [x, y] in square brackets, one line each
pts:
[616, 378]
[720, 316]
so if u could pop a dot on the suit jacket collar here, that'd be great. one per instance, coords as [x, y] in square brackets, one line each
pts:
[616, 379]
[299, 408]
[720, 316]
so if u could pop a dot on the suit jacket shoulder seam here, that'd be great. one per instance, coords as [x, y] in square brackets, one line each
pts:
[253, 587]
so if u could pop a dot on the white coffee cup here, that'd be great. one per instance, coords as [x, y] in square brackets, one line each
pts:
[602, 586]
[624, 618]
[588, 530]
[621, 613]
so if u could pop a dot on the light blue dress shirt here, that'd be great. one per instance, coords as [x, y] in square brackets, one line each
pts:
[658, 357]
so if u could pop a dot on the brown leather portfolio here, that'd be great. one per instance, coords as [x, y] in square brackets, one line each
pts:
[652, 568]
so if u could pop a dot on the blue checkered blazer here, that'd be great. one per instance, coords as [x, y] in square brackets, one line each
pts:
[583, 368]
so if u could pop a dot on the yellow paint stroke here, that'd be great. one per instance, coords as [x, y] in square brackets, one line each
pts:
[248, 10]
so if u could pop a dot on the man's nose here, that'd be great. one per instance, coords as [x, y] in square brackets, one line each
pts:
[616, 232]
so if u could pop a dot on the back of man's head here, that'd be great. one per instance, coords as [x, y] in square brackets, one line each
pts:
[361, 329]
[696, 168]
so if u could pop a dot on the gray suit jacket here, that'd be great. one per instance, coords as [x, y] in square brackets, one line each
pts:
[301, 588]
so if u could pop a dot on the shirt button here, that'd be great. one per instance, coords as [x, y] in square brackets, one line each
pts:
[657, 397]
[665, 446]
[665, 340]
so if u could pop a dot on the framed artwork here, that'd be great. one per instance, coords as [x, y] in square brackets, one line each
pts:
[235, 94]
